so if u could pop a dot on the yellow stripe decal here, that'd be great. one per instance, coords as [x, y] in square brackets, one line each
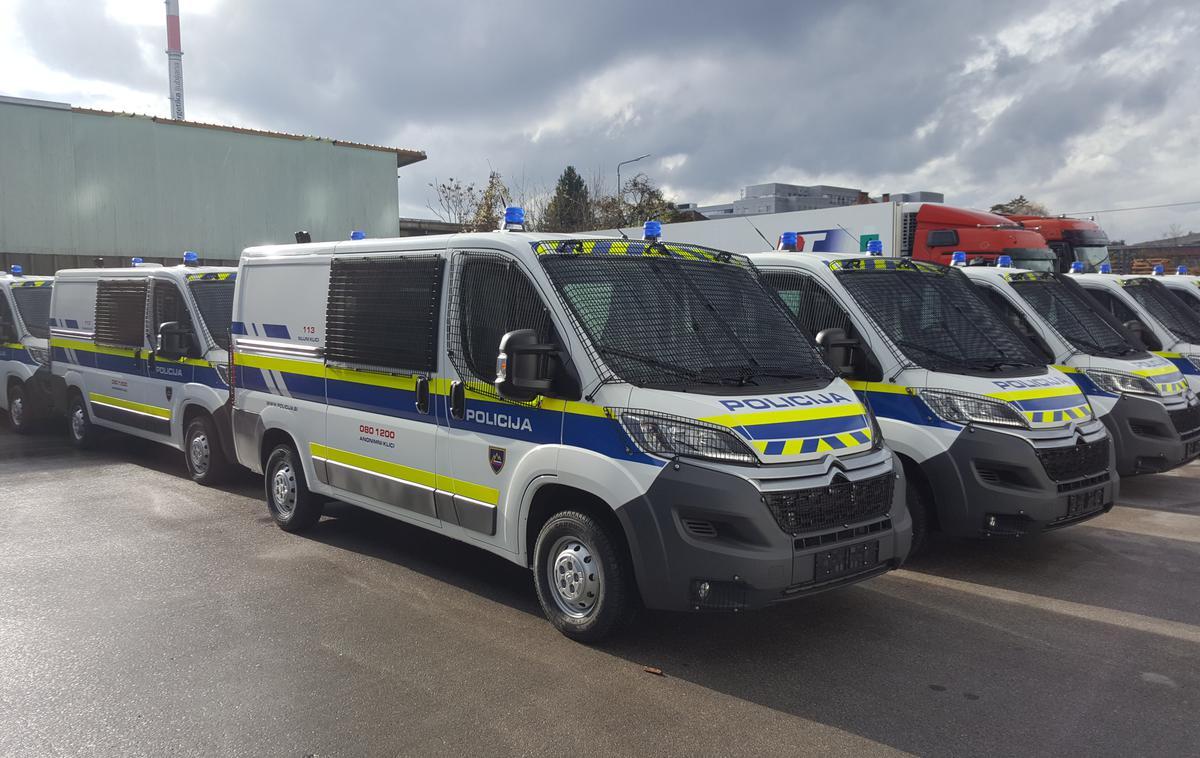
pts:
[304, 368]
[1037, 394]
[129, 405]
[408, 474]
[895, 389]
[13, 345]
[1156, 371]
[1066, 369]
[91, 347]
[1168, 355]
[780, 417]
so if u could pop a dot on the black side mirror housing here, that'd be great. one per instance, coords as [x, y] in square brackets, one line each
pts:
[848, 356]
[176, 341]
[525, 368]
[1138, 330]
[8, 331]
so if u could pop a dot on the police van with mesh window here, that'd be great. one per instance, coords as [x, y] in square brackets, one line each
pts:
[1143, 399]
[144, 350]
[1183, 285]
[629, 418]
[1160, 320]
[24, 330]
[994, 442]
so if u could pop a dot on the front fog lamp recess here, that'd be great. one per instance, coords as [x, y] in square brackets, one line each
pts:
[964, 408]
[669, 437]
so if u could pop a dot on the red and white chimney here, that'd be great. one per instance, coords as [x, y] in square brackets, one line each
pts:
[174, 60]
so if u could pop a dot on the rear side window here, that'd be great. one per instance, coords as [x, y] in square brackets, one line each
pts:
[809, 302]
[493, 296]
[33, 303]
[121, 312]
[383, 312]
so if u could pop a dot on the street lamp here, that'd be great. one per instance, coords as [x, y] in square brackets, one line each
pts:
[621, 190]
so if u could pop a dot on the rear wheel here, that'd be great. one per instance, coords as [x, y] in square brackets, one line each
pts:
[83, 433]
[583, 583]
[292, 506]
[19, 416]
[206, 459]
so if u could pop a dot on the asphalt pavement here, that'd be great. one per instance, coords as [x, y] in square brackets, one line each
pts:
[141, 614]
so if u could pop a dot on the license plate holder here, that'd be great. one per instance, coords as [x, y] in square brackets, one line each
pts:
[843, 561]
[1083, 503]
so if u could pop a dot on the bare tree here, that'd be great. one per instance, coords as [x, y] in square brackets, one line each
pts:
[1173, 231]
[1020, 206]
[457, 203]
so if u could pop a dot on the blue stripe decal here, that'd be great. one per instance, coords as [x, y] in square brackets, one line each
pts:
[909, 409]
[1050, 403]
[774, 447]
[810, 428]
[1087, 386]
[276, 331]
[237, 327]
[1185, 366]
[72, 323]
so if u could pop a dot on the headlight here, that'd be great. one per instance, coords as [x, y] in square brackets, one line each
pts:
[222, 370]
[670, 436]
[40, 357]
[964, 408]
[1121, 384]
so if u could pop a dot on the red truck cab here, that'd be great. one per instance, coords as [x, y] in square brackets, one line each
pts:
[933, 232]
[1071, 239]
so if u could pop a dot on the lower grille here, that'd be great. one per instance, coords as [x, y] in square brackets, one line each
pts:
[1186, 421]
[1084, 459]
[843, 502]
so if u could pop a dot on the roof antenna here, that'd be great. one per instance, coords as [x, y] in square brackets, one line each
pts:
[770, 246]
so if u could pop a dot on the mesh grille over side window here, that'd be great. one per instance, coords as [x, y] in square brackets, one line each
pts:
[169, 305]
[810, 303]
[6, 317]
[383, 312]
[33, 303]
[121, 312]
[491, 296]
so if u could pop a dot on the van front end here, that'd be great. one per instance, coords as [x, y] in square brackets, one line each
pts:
[778, 497]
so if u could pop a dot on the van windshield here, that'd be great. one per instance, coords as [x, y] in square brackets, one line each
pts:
[1074, 315]
[214, 298]
[933, 315]
[33, 303]
[1170, 311]
[679, 316]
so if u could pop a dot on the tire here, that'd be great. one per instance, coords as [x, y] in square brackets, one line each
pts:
[292, 506]
[82, 431]
[919, 510]
[584, 583]
[20, 415]
[203, 452]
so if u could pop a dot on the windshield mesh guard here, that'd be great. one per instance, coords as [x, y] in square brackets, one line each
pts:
[1165, 306]
[665, 314]
[1071, 313]
[931, 315]
[33, 304]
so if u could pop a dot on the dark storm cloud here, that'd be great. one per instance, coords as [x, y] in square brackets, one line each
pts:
[746, 91]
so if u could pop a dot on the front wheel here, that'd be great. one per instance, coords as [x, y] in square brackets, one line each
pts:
[292, 506]
[584, 585]
[19, 416]
[83, 432]
[206, 459]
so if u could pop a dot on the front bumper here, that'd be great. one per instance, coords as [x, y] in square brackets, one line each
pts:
[699, 526]
[992, 483]
[1149, 439]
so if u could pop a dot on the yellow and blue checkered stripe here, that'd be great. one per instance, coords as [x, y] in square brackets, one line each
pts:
[1048, 405]
[635, 248]
[1166, 379]
[801, 431]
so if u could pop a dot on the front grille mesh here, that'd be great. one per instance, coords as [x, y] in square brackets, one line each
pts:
[1186, 421]
[843, 502]
[1066, 463]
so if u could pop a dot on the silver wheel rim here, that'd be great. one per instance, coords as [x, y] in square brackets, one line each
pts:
[198, 453]
[575, 577]
[283, 490]
[78, 423]
[16, 411]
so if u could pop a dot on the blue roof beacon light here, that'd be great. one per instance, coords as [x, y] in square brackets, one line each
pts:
[135, 262]
[1105, 268]
[958, 258]
[358, 234]
[514, 219]
[874, 247]
[652, 231]
[1182, 270]
[1076, 267]
[1159, 270]
[1004, 261]
[787, 241]
[17, 270]
[190, 258]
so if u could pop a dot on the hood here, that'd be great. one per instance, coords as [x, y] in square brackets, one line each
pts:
[780, 427]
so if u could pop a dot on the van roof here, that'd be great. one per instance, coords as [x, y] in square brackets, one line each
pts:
[31, 278]
[384, 244]
[139, 271]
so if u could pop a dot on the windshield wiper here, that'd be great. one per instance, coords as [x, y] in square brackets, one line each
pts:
[671, 368]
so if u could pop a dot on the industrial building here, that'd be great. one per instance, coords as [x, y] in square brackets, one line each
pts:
[776, 197]
[78, 184]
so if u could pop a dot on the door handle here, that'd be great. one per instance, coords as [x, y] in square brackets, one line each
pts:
[422, 394]
[458, 400]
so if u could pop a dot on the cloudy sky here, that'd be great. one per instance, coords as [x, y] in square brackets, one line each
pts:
[1083, 105]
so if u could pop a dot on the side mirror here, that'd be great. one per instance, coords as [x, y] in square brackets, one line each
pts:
[8, 331]
[176, 341]
[524, 366]
[1138, 329]
[839, 349]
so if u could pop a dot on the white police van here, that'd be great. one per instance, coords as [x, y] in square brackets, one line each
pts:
[1143, 400]
[1183, 285]
[1161, 321]
[627, 417]
[24, 330]
[143, 350]
[994, 442]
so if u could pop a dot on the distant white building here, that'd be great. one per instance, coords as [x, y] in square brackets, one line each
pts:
[776, 197]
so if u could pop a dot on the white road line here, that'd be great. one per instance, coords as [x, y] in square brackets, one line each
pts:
[1150, 523]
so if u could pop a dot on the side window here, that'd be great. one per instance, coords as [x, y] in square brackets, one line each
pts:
[121, 312]
[8, 325]
[1119, 310]
[810, 303]
[169, 305]
[383, 312]
[492, 296]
